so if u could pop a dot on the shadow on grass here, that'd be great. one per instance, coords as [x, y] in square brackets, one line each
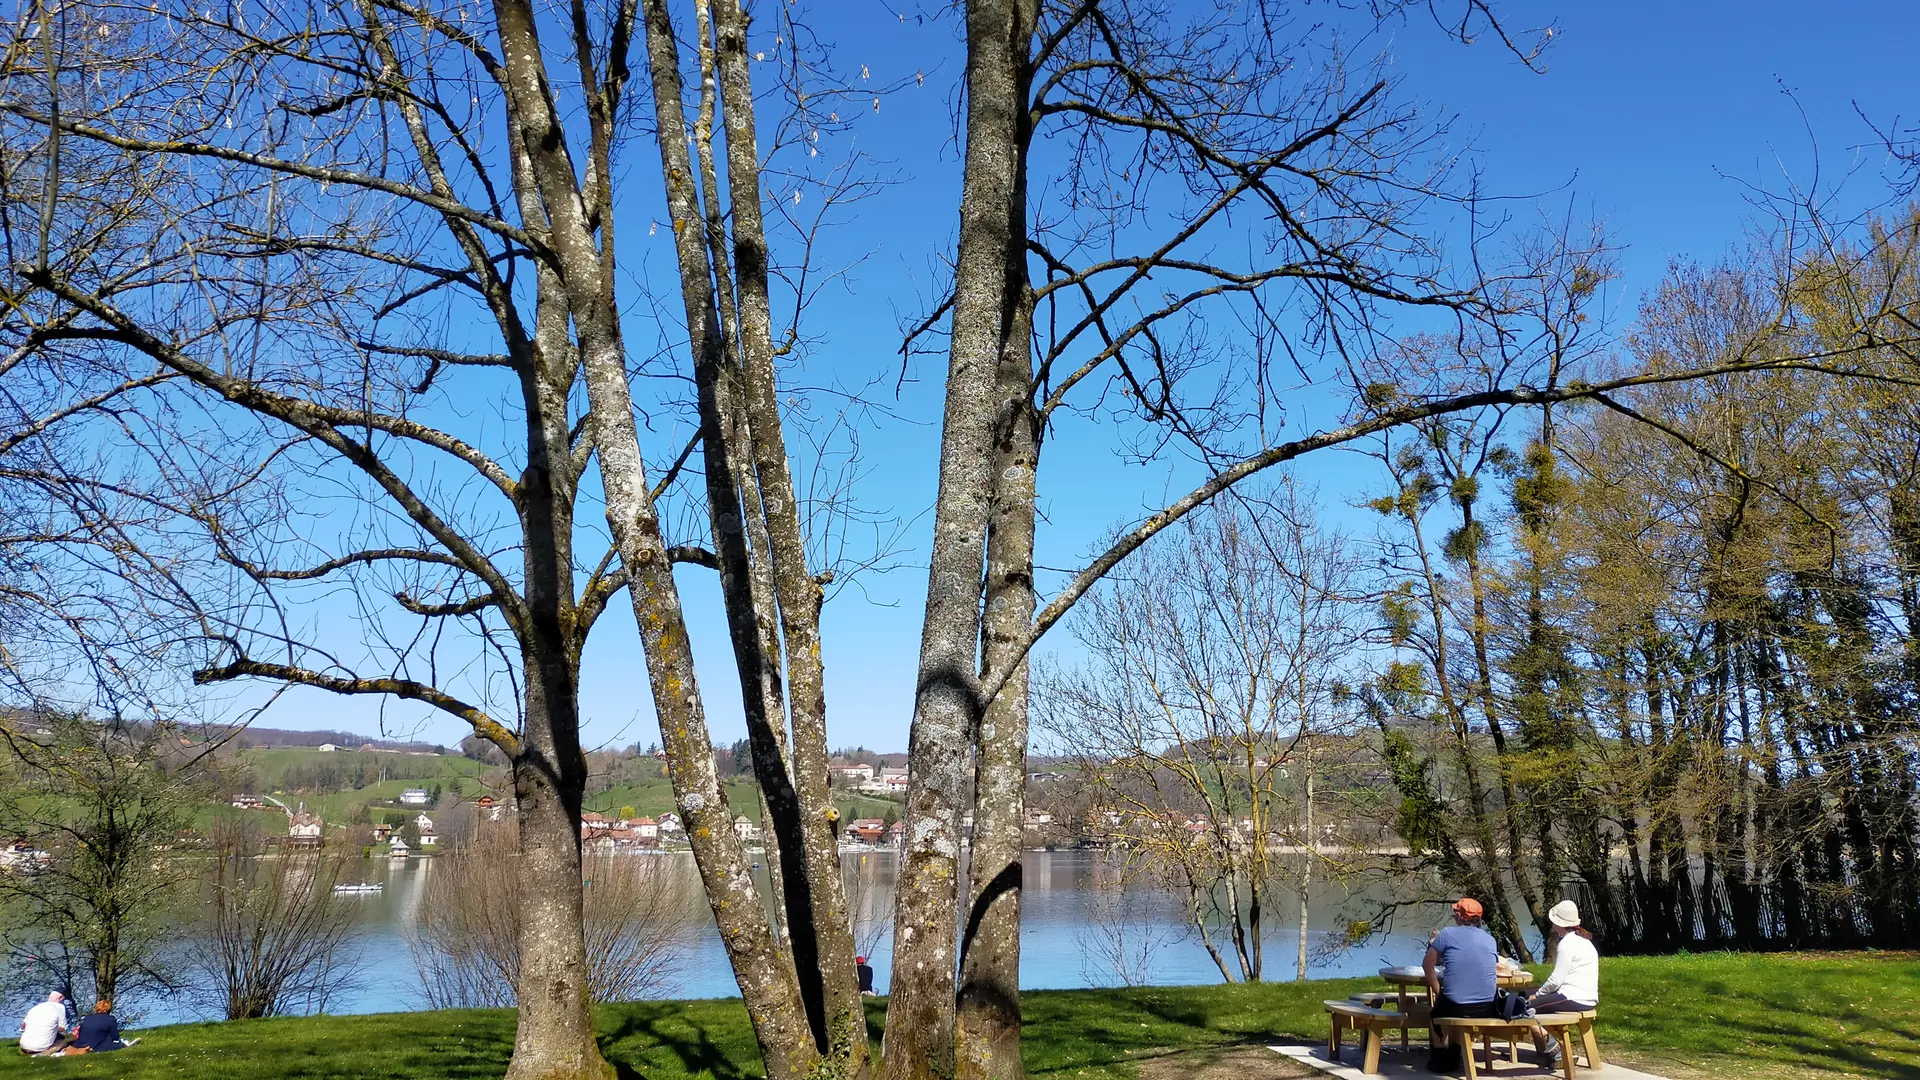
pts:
[696, 1038]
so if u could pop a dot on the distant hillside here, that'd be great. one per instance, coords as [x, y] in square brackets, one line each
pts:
[305, 769]
[264, 737]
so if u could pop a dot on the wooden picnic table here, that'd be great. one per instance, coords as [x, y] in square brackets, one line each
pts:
[1412, 975]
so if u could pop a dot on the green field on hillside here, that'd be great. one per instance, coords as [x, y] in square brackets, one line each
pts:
[651, 798]
[272, 766]
[337, 784]
[1748, 1017]
[866, 806]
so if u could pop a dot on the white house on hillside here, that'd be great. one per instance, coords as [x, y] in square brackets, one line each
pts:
[888, 781]
[851, 773]
[414, 796]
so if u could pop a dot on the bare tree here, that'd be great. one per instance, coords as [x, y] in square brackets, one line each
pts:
[1120, 939]
[1201, 113]
[274, 939]
[400, 225]
[393, 231]
[466, 943]
[1211, 667]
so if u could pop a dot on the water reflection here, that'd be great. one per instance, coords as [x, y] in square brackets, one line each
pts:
[1068, 926]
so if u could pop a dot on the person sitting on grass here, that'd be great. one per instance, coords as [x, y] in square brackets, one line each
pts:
[99, 1032]
[40, 1032]
[1574, 985]
[1460, 978]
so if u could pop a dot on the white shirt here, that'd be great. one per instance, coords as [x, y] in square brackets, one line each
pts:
[42, 1026]
[1576, 971]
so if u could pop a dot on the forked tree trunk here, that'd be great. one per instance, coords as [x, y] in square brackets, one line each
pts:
[761, 966]
[987, 1029]
[760, 547]
[553, 1036]
[920, 1015]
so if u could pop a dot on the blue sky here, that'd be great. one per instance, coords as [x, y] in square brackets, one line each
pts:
[1651, 119]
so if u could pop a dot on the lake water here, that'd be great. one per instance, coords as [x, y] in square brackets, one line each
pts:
[1075, 923]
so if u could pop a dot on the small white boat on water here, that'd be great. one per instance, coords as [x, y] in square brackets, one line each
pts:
[361, 887]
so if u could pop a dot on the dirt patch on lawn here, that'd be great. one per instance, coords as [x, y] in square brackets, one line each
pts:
[1251, 1062]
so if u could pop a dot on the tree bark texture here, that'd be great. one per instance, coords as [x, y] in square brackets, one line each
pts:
[920, 1015]
[764, 972]
[756, 528]
[987, 1025]
[829, 929]
[553, 1034]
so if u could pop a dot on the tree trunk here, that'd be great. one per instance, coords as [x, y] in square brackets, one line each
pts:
[727, 439]
[762, 968]
[554, 1032]
[1306, 876]
[987, 1036]
[1517, 862]
[827, 952]
[553, 1036]
[920, 1015]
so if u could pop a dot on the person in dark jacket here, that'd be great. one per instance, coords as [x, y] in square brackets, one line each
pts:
[865, 971]
[98, 1032]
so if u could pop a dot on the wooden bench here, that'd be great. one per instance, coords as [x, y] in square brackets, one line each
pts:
[1588, 1044]
[1410, 1001]
[1463, 1030]
[1351, 1015]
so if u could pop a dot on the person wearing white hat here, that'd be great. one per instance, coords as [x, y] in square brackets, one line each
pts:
[1574, 985]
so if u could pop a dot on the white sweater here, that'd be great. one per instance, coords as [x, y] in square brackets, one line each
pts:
[1576, 971]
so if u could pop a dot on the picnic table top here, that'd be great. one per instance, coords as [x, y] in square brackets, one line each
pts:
[1412, 975]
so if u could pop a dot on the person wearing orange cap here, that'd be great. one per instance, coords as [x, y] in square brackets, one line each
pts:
[1461, 979]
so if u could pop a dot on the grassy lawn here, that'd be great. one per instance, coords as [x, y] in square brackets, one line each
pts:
[1693, 1016]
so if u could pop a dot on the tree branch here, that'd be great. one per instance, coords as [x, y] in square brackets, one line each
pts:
[484, 725]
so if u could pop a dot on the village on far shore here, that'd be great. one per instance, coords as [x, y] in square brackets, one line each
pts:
[409, 800]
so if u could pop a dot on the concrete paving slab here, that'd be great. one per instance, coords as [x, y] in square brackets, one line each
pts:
[1414, 1064]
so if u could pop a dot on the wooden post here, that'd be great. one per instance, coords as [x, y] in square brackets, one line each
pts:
[1588, 1042]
